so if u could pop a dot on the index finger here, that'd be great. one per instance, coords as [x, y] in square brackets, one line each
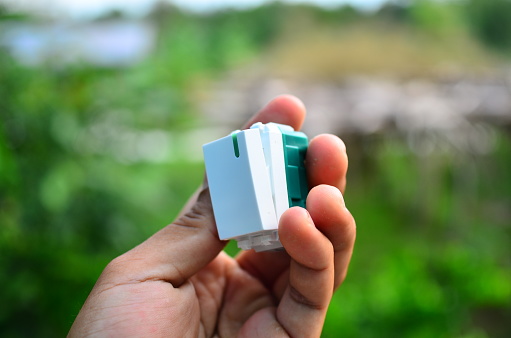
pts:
[284, 109]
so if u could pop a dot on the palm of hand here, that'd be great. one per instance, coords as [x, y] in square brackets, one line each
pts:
[220, 300]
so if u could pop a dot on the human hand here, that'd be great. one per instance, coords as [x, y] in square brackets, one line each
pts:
[179, 283]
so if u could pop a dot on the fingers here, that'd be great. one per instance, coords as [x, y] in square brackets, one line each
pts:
[326, 162]
[320, 243]
[326, 207]
[303, 307]
[284, 109]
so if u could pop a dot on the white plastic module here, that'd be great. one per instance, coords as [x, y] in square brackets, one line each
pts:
[246, 174]
[273, 148]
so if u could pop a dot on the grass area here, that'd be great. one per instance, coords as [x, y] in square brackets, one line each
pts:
[380, 49]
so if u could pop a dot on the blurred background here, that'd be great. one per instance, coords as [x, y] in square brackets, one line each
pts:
[104, 106]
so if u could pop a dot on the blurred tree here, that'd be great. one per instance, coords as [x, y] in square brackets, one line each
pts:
[393, 11]
[441, 19]
[489, 19]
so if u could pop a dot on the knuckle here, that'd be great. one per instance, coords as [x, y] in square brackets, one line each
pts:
[199, 213]
[200, 216]
[301, 299]
[116, 266]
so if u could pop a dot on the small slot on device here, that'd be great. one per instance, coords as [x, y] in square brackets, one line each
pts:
[235, 144]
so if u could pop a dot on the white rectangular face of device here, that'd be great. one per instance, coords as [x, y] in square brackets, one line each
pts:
[246, 174]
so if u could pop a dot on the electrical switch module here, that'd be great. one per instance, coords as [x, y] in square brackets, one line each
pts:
[254, 175]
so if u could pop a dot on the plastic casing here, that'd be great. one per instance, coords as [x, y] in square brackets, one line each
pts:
[254, 175]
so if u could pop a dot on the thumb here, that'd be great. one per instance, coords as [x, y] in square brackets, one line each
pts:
[179, 250]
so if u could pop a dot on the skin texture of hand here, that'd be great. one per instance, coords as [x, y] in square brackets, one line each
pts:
[179, 283]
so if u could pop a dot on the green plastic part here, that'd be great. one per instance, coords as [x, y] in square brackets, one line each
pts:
[235, 145]
[295, 149]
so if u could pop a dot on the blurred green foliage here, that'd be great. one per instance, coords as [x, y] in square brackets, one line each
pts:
[490, 21]
[432, 256]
